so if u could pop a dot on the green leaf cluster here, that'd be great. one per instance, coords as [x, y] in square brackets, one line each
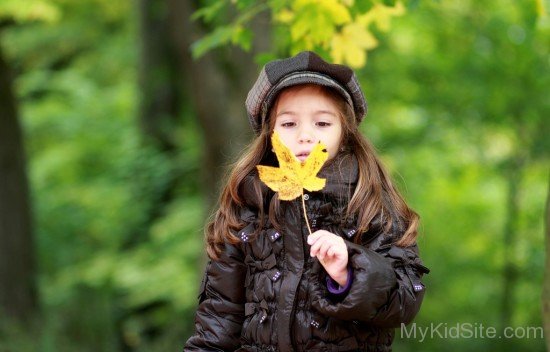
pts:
[342, 29]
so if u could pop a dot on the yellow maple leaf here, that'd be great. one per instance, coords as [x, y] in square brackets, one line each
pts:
[351, 44]
[381, 15]
[293, 176]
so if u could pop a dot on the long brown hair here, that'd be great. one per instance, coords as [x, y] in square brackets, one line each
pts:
[374, 197]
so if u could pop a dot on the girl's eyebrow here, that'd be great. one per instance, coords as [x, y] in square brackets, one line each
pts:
[318, 112]
[329, 112]
[285, 112]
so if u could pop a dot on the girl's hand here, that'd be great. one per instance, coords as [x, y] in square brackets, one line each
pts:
[332, 253]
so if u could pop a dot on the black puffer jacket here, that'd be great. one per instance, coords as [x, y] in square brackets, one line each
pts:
[268, 294]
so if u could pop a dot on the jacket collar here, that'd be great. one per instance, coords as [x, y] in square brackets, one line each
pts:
[341, 174]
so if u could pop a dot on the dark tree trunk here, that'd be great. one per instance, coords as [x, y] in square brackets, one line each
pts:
[217, 84]
[17, 270]
[546, 285]
[158, 74]
[159, 82]
[510, 270]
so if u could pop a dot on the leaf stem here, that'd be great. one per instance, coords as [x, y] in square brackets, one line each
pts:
[305, 213]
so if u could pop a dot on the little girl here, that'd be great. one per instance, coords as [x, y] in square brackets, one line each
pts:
[270, 285]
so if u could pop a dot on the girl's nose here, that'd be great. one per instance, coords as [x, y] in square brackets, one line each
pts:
[305, 136]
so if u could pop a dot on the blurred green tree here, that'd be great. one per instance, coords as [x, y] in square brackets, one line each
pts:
[546, 286]
[468, 75]
[18, 297]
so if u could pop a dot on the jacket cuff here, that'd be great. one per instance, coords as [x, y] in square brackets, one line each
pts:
[334, 288]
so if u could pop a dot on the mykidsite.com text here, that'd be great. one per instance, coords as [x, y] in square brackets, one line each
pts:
[468, 331]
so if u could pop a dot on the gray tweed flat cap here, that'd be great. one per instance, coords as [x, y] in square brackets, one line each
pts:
[305, 67]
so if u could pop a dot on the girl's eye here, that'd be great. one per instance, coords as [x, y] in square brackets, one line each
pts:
[288, 124]
[323, 124]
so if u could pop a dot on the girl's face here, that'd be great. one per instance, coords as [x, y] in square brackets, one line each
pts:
[305, 115]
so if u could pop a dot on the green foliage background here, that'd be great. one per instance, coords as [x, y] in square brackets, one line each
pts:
[457, 91]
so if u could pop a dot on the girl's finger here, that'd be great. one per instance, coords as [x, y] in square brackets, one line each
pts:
[311, 239]
[314, 250]
[324, 248]
[317, 244]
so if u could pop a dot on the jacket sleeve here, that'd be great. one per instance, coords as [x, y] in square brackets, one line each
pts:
[386, 289]
[220, 314]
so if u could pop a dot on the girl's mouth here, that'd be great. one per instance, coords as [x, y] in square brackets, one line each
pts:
[302, 156]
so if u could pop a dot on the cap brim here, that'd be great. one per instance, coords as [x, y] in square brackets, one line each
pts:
[304, 77]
